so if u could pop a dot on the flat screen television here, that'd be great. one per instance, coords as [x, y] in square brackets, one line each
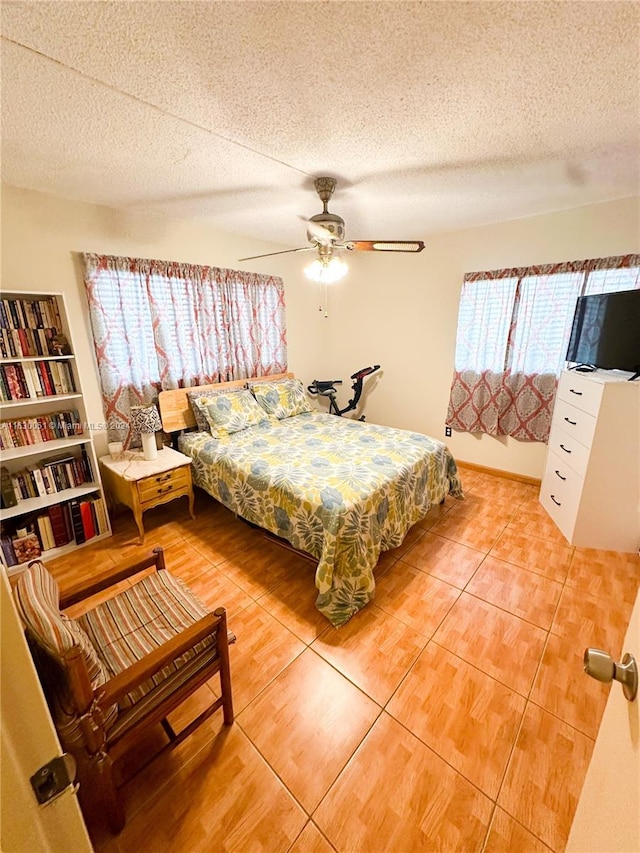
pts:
[606, 331]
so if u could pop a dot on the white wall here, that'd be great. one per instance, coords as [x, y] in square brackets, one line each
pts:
[398, 311]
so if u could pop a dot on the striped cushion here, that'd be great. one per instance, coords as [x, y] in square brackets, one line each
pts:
[130, 716]
[37, 596]
[136, 622]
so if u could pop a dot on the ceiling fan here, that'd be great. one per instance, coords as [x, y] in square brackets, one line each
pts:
[326, 233]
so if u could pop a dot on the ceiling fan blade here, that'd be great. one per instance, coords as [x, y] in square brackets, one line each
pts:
[283, 252]
[384, 245]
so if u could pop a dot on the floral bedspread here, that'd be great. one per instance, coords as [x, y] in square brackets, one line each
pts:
[338, 489]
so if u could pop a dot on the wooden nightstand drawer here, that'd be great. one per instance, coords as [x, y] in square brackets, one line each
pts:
[142, 484]
[162, 484]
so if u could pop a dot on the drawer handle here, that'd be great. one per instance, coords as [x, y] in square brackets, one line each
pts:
[573, 423]
[557, 503]
[565, 449]
[163, 479]
[578, 393]
[558, 474]
[165, 490]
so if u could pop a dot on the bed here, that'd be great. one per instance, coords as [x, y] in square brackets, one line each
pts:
[337, 489]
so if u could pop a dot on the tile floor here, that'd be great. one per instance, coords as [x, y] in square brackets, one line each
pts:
[453, 714]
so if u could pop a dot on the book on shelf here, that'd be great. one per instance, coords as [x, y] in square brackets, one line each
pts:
[28, 342]
[100, 510]
[33, 379]
[7, 349]
[45, 533]
[86, 462]
[51, 475]
[45, 378]
[56, 377]
[25, 488]
[59, 525]
[38, 481]
[87, 520]
[8, 552]
[68, 521]
[37, 365]
[40, 429]
[76, 520]
[14, 382]
[30, 314]
[59, 530]
[8, 494]
[47, 479]
[4, 388]
[16, 488]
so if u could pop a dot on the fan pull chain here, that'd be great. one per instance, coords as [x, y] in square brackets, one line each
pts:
[324, 299]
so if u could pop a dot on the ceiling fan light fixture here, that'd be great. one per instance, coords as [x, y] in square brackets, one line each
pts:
[326, 270]
[326, 234]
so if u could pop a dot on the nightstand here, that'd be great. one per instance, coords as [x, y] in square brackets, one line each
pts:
[141, 484]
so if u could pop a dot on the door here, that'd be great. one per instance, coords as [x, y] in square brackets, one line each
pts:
[608, 814]
[28, 741]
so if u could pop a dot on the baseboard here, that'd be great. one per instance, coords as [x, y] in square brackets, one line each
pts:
[496, 472]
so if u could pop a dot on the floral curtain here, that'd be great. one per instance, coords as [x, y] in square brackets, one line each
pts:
[513, 332]
[159, 325]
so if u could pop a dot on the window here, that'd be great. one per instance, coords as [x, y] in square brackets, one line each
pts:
[159, 325]
[513, 332]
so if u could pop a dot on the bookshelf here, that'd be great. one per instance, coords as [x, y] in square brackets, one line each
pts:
[53, 499]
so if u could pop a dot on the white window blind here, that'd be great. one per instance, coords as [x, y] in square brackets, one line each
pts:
[160, 325]
[523, 323]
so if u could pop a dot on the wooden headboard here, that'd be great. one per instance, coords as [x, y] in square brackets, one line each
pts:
[175, 410]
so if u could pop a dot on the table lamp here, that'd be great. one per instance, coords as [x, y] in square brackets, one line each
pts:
[145, 421]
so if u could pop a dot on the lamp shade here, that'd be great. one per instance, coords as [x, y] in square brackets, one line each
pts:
[145, 419]
[326, 270]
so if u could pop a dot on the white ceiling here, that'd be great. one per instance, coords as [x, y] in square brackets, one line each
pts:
[432, 115]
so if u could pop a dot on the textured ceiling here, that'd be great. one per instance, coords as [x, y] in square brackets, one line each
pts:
[432, 115]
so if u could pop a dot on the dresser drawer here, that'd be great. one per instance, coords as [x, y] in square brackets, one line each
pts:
[581, 391]
[574, 422]
[560, 493]
[569, 450]
[158, 485]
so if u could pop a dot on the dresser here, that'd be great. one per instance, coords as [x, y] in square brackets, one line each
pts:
[591, 482]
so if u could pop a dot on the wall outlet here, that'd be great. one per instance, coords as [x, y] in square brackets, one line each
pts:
[447, 431]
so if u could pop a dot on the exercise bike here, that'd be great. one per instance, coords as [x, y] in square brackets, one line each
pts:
[326, 388]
